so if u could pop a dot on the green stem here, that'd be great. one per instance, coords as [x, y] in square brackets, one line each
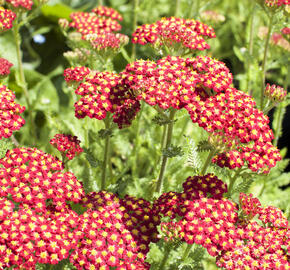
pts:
[164, 158]
[106, 154]
[264, 63]
[208, 161]
[137, 144]
[186, 252]
[165, 257]
[233, 180]
[281, 110]
[177, 8]
[197, 8]
[251, 42]
[135, 16]
[22, 81]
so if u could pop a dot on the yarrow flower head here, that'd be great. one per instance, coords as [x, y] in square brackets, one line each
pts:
[237, 241]
[10, 119]
[108, 12]
[68, 145]
[275, 93]
[35, 179]
[5, 66]
[172, 31]
[6, 19]
[103, 92]
[98, 29]
[115, 232]
[28, 238]
[24, 4]
[276, 3]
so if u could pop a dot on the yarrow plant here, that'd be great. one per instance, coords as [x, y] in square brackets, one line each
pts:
[131, 198]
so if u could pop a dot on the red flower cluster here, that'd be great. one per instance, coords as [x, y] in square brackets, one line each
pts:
[105, 40]
[258, 245]
[98, 28]
[286, 31]
[173, 31]
[5, 66]
[9, 113]
[28, 238]
[250, 206]
[202, 86]
[275, 93]
[26, 4]
[74, 75]
[101, 93]
[276, 3]
[238, 242]
[174, 81]
[34, 179]
[89, 23]
[6, 19]
[108, 12]
[68, 145]
[115, 233]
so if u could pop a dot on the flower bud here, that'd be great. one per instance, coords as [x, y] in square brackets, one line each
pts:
[275, 93]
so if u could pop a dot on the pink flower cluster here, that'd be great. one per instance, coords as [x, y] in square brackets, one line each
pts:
[5, 66]
[6, 19]
[10, 119]
[169, 32]
[68, 145]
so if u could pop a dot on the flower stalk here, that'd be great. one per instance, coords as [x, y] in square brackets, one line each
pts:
[208, 161]
[22, 81]
[106, 154]
[168, 130]
[264, 63]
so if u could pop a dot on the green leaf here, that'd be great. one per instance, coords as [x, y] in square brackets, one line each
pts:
[5, 144]
[57, 11]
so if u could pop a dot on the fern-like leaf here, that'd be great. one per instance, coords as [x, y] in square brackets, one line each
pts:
[204, 145]
[243, 186]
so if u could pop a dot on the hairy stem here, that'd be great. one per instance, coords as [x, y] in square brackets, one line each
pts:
[264, 63]
[208, 161]
[22, 80]
[233, 180]
[164, 158]
[186, 252]
[135, 16]
[281, 111]
[177, 8]
[250, 49]
[106, 154]
[165, 257]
